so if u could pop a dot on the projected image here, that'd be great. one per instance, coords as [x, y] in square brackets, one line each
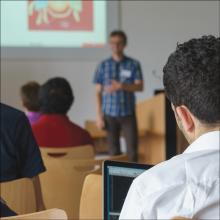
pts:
[54, 23]
[68, 15]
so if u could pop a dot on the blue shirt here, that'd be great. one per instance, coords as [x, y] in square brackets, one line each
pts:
[20, 154]
[120, 103]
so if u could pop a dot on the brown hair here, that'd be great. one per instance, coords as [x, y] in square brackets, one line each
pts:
[120, 34]
[29, 95]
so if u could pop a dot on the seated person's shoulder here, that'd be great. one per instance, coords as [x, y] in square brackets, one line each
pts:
[179, 170]
[10, 114]
[10, 111]
[80, 129]
[21, 156]
[162, 176]
[83, 133]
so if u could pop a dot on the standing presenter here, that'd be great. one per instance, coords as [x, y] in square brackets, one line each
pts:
[117, 79]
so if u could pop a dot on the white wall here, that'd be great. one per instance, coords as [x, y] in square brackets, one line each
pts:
[153, 28]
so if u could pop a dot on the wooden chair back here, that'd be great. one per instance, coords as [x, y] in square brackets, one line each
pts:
[91, 198]
[80, 152]
[19, 195]
[62, 183]
[121, 158]
[69, 174]
[94, 131]
[99, 161]
[51, 214]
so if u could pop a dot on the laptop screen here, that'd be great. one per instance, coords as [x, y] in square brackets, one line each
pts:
[117, 181]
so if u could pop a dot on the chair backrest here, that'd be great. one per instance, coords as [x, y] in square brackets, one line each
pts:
[93, 130]
[50, 214]
[121, 158]
[99, 161]
[62, 183]
[80, 152]
[19, 195]
[91, 198]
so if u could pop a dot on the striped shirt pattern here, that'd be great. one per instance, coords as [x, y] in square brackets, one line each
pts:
[127, 71]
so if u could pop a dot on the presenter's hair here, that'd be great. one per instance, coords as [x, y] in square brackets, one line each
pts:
[29, 96]
[192, 78]
[56, 96]
[121, 34]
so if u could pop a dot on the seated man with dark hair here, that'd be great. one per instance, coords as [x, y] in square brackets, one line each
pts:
[188, 184]
[30, 101]
[54, 129]
[20, 155]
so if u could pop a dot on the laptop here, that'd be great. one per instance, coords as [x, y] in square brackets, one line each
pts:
[118, 177]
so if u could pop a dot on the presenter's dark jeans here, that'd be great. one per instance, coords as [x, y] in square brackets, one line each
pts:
[127, 126]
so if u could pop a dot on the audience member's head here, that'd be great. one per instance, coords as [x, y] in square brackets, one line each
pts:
[117, 41]
[29, 96]
[192, 84]
[56, 96]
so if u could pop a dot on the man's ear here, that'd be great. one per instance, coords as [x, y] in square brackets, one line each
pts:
[185, 117]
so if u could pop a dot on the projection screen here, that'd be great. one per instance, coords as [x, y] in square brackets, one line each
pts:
[57, 29]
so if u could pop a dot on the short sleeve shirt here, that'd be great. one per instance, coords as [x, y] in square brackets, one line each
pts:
[20, 154]
[127, 71]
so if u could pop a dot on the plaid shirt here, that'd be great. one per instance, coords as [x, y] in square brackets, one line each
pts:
[120, 103]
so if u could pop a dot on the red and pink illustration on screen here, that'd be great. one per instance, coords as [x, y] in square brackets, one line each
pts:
[64, 15]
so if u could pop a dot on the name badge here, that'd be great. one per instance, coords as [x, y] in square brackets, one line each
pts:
[125, 73]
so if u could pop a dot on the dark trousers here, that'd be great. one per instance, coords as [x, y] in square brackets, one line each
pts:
[127, 126]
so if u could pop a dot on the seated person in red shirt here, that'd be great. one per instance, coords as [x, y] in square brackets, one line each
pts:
[54, 129]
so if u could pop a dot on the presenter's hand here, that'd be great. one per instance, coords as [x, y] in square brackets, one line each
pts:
[100, 123]
[115, 86]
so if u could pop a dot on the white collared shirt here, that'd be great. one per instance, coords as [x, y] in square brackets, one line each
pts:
[186, 185]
